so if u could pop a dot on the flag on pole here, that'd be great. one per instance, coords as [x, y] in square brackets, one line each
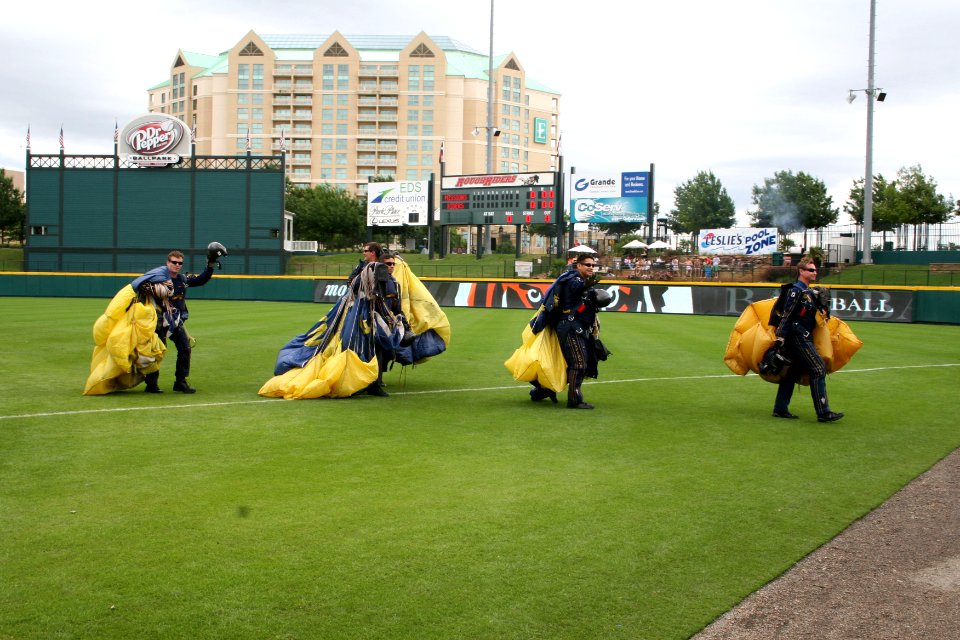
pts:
[28, 136]
[193, 131]
[116, 131]
[283, 139]
[248, 143]
[61, 137]
[441, 152]
[559, 147]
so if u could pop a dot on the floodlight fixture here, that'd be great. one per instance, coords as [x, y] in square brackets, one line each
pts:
[881, 96]
[851, 97]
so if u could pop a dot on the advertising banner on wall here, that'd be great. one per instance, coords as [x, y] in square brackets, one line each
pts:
[154, 140]
[392, 204]
[600, 198]
[846, 304]
[742, 241]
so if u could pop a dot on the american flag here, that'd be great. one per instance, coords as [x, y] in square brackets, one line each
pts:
[248, 143]
[283, 139]
[441, 152]
[193, 132]
[559, 147]
[116, 131]
[28, 136]
[61, 137]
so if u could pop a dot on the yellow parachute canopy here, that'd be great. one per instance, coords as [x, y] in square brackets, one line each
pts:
[539, 359]
[752, 336]
[419, 307]
[127, 346]
[334, 373]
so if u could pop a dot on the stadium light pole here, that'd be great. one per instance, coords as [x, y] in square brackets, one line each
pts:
[868, 170]
[490, 127]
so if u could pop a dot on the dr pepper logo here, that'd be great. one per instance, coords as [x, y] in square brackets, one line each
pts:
[156, 137]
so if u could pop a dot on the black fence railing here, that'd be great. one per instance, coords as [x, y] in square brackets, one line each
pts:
[829, 276]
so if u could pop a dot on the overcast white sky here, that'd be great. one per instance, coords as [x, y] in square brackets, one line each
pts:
[742, 88]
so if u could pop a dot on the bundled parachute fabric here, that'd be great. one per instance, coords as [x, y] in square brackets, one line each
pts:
[127, 346]
[336, 357]
[539, 359]
[752, 336]
[427, 320]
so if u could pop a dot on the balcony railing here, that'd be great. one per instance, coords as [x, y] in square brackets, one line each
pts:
[300, 245]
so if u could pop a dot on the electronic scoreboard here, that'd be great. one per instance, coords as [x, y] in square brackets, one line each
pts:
[507, 198]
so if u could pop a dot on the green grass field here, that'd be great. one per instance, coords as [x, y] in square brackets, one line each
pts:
[456, 508]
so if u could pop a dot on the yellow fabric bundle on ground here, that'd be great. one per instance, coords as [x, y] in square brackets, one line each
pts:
[126, 345]
[335, 373]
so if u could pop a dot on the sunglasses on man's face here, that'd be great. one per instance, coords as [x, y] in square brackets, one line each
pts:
[175, 261]
[814, 270]
[589, 264]
[389, 264]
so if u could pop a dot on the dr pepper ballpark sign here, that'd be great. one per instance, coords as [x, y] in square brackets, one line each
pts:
[154, 141]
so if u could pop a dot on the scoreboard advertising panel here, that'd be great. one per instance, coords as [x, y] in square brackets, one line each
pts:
[602, 198]
[502, 198]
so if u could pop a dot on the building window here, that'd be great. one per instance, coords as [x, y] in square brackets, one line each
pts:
[251, 50]
[411, 174]
[342, 114]
[428, 130]
[326, 143]
[326, 129]
[341, 129]
[428, 115]
[341, 174]
[326, 173]
[341, 144]
[413, 77]
[243, 113]
[38, 230]
[428, 79]
[412, 159]
[413, 101]
[341, 158]
[413, 115]
[243, 76]
[428, 145]
[326, 114]
[326, 158]
[343, 77]
[412, 145]
[257, 113]
[413, 130]
[328, 77]
[327, 100]
[422, 51]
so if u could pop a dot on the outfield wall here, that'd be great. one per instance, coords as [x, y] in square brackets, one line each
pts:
[871, 303]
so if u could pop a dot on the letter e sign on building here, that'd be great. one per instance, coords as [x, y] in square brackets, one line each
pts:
[540, 130]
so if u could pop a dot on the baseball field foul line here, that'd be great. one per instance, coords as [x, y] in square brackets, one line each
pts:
[434, 391]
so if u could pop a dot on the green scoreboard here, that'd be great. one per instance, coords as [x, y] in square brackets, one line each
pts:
[503, 198]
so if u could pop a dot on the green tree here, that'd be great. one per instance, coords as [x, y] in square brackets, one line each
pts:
[702, 203]
[917, 201]
[13, 215]
[883, 195]
[327, 214]
[793, 202]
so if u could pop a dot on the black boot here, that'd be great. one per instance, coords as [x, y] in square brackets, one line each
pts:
[183, 386]
[151, 379]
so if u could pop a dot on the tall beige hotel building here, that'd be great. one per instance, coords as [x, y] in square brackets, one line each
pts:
[348, 108]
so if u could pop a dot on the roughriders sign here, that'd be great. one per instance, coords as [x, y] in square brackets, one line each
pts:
[154, 140]
[498, 180]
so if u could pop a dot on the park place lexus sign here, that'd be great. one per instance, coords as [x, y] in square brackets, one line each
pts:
[154, 140]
